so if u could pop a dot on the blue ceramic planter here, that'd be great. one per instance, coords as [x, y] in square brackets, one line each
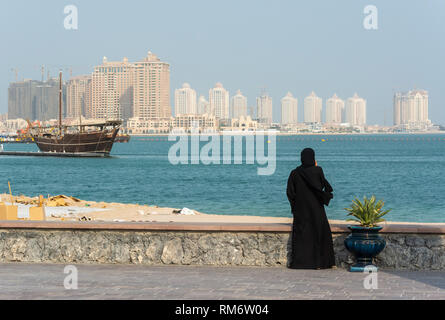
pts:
[364, 243]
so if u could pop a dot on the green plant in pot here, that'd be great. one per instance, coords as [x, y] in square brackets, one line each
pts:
[364, 242]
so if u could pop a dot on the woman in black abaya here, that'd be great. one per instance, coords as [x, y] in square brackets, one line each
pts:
[308, 192]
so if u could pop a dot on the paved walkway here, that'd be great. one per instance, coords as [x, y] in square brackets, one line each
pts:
[37, 281]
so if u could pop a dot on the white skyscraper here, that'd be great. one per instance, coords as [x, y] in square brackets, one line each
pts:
[219, 101]
[411, 107]
[238, 106]
[355, 113]
[185, 100]
[264, 109]
[289, 109]
[203, 105]
[334, 109]
[312, 108]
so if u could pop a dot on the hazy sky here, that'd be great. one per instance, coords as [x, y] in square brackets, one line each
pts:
[296, 46]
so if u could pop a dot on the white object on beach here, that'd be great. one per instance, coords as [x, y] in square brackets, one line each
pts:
[141, 212]
[187, 212]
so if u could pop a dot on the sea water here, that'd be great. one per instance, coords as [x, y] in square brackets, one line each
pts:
[406, 171]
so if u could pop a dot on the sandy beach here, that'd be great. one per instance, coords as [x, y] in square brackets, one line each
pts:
[81, 210]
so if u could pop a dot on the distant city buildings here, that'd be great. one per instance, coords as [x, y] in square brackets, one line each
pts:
[289, 109]
[112, 90]
[355, 113]
[199, 122]
[78, 97]
[335, 108]
[264, 109]
[219, 101]
[138, 125]
[411, 107]
[238, 107]
[139, 93]
[312, 108]
[34, 100]
[122, 90]
[152, 88]
[203, 106]
[243, 123]
[185, 100]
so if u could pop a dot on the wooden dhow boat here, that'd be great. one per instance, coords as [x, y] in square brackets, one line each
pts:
[91, 138]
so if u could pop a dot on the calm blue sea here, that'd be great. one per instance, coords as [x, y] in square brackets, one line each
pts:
[406, 171]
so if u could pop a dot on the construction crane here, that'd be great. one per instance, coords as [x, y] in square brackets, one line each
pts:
[65, 68]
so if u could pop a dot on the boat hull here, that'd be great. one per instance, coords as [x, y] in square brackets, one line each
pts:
[88, 142]
[122, 138]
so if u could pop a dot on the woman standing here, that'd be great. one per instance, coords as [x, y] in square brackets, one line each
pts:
[308, 192]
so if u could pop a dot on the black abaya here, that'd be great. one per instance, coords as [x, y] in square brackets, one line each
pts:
[308, 191]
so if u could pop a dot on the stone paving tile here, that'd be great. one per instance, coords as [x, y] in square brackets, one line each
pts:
[37, 281]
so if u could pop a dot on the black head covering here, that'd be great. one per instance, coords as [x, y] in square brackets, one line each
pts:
[308, 157]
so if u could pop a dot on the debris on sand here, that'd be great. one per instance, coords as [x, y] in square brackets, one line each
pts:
[56, 201]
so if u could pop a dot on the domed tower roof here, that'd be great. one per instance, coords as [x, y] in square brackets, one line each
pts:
[151, 57]
[186, 85]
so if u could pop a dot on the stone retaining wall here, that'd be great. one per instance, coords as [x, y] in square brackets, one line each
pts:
[203, 244]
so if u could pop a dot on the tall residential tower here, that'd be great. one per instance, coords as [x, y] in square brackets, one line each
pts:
[185, 100]
[411, 107]
[355, 113]
[112, 90]
[334, 109]
[264, 109]
[289, 109]
[152, 88]
[238, 106]
[219, 101]
[312, 108]
[78, 97]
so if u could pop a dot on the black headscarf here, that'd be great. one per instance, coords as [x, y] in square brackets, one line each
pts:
[308, 158]
[324, 194]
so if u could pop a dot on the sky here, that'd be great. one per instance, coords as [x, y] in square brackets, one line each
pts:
[251, 45]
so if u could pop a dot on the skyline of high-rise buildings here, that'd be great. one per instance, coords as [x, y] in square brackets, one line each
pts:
[124, 90]
[110, 92]
[34, 100]
[336, 110]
